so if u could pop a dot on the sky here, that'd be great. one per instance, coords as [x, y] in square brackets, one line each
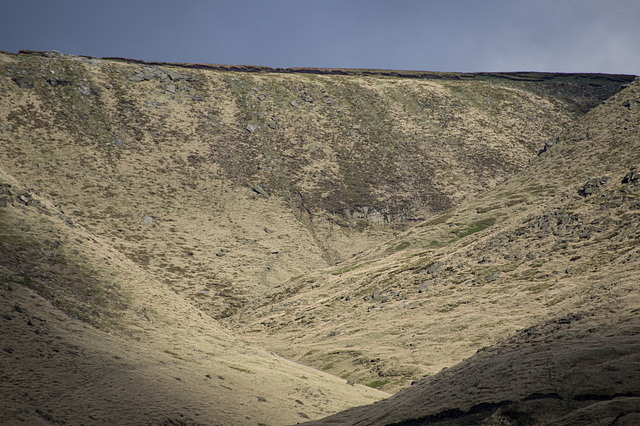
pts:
[428, 35]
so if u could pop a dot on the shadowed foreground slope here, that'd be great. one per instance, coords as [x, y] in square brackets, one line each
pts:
[561, 379]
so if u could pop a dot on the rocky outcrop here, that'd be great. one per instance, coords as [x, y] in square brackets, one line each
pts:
[632, 177]
[591, 186]
[148, 73]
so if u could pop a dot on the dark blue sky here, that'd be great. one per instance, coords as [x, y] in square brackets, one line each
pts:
[445, 35]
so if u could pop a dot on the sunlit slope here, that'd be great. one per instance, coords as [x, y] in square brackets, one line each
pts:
[556, 242]
[88, 336]
[224, 185]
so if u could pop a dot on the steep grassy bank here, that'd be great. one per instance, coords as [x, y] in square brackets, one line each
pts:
[89, 337]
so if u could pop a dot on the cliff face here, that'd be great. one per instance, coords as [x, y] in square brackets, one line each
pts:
[237, 190]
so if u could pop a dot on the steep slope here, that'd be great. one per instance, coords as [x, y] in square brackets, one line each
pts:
[88, 337]
[559, 239]
[225, 185]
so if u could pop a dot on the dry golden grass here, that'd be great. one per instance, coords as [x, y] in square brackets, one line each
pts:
[150, 356]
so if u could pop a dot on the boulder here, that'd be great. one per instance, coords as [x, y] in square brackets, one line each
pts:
[23, 82]
[493, 276]
[260, 190]
[306, 96]
[378, 296]
[434, 267]
[424, 286]
[55, 82]
[174, 76]
[591, 186]
[547, 146]
[5, 188]
[148, 73]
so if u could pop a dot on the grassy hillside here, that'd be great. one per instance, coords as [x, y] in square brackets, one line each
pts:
[88, 337]
[225, 185]
[561, 276]
[534, 247]
[184, 227]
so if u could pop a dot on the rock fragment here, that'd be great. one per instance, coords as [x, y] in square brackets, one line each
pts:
[424, 287]
[23, 82]
[631, 177]
[591, 186]
[494, 276]
[260, 190]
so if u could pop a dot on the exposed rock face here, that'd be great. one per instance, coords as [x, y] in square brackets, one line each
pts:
[23, 82]
[547, 146]
[55, 82]
[149, 73]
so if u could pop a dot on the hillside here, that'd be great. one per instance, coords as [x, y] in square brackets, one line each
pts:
[88, 337]
[560, 278]
[529, 249]
[180, 228]
[249, 179]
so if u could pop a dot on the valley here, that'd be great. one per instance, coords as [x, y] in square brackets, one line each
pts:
[220, 245]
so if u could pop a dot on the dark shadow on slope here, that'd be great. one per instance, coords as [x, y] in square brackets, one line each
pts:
[572, 375]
